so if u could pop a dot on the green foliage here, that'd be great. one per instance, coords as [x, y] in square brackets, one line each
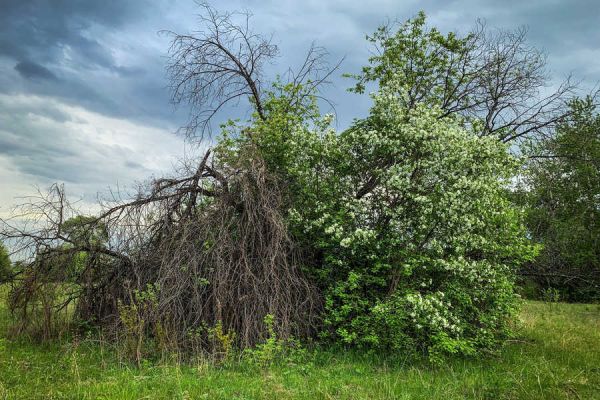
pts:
[223, 342]
[275, 350]
[404, 218]
[425, 60]
[405, 221]
[5, 264]
[562, 191]
[136, 318]
[65, 264]
[264, 354]
[551, 295]
[84, 230]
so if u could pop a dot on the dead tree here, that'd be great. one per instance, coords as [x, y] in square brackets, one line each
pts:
[214, 241]
[217, 66]
[223, 64]
[514, 97]
[211, 240]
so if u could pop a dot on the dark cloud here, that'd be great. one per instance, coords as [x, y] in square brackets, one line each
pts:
[109, 57]
[31, 70]
[46, 27]
[97, 54]
[106, 57]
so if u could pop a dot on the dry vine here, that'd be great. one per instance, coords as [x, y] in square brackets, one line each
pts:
[207, 247]
[213, 244]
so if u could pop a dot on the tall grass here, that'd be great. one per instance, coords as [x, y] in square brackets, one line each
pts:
[556, 355]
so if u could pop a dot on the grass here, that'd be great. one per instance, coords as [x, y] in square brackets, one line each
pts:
[556, 355]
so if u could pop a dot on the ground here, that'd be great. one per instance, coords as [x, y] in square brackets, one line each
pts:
[555, 355]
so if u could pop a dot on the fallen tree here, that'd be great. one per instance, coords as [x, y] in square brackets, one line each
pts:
[213, 246]
[206, 247]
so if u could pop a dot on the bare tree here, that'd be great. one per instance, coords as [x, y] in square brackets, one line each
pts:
[212, 237]
[218, 65]
[223, 64]
[513, 95]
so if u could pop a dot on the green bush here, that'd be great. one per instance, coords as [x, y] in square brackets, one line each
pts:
[405, 221]
[396, 234]
[562, 193]
[5, 264]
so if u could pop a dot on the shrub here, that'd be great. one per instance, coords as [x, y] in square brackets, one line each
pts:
[406, 225]
[5, 264]
[562, 192]
[394, 234]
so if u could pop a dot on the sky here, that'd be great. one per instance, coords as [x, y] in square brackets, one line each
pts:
[83, 89]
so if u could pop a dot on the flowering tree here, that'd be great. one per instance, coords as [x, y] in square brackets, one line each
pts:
[396, 233]
[490, 76]
[406, 224]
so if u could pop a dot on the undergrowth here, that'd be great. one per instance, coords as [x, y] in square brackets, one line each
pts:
[555, 355]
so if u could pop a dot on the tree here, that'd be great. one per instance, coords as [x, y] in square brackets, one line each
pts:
[562, 190]
[406, 226]
[211, 241]
[82, 229]
[492, 78]
[5, 264]
[223, 63]
[394, 234]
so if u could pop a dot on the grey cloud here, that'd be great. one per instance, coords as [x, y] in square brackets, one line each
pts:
[28, 78]
[44, 150]
[46, 26]
[36, 146]
[107, 57]
[133, 164]
[31, 70]
[86, 46]
[42, 146]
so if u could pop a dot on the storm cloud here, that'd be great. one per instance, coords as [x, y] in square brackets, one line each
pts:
[83, 90]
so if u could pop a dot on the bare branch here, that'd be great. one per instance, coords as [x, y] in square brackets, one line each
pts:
[216, 66]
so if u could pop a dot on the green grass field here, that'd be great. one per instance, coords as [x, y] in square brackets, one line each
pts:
[556, 355]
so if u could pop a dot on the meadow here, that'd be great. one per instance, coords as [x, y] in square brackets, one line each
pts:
[555, 354]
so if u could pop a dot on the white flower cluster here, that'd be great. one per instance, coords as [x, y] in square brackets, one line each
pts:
[479, 274]
[433, 313]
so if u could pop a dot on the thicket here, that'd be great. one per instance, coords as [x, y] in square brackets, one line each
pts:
[562, 197]
[397, 233]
